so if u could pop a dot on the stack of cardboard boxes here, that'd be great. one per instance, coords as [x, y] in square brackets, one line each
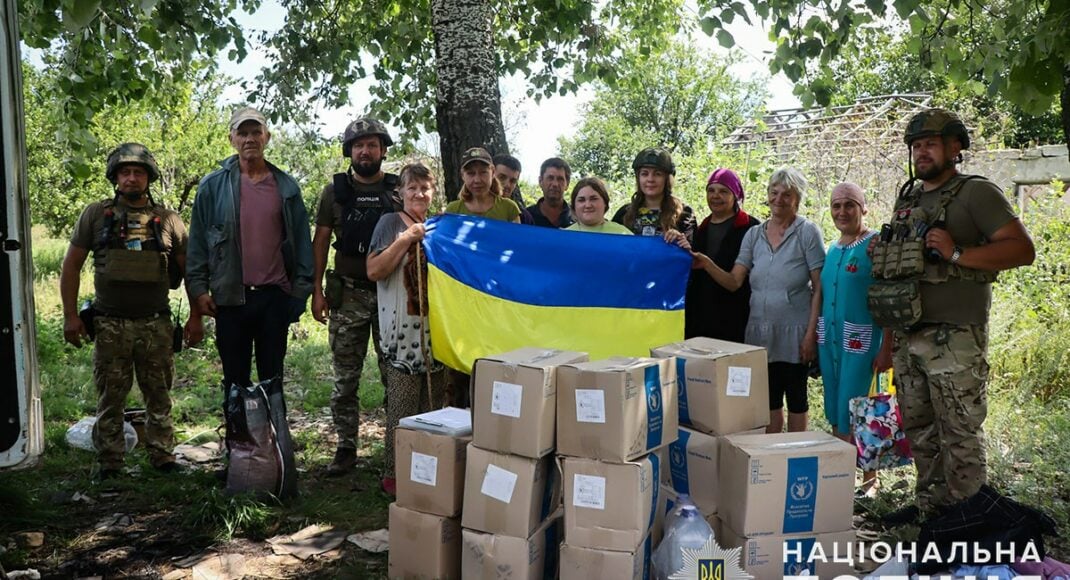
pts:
[723, 389]
[512, 494]
[615, 417]
[630, 435]
[772, 495]
[787, 493]
[425, 519]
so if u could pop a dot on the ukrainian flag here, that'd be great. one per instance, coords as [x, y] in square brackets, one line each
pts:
[495, 286]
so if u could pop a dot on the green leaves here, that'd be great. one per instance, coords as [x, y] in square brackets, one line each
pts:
[77, 14]
[675, 98]
[724, 38]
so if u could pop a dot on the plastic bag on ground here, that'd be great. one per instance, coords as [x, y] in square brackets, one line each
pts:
[80, 435]
[688, 529]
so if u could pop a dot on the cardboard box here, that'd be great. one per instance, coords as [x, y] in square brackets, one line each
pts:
[693, 468]
[496, 556]
[779, 484]
[589, 564]
[724, 386]
[779, 556]
[508, 494]
[430, 471]
[610, 506]
[423, 545]
[616, 409]
[514, 400]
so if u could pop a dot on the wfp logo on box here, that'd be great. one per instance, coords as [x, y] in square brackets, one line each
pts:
[802, 490]
[676, 455]
[653, 401]
[711, 562]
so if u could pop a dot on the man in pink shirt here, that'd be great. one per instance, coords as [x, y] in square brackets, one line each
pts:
[250, 255]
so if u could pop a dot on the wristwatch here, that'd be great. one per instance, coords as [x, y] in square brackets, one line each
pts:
[955, 255]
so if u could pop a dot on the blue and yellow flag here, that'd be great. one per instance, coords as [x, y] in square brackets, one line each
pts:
[496, 286]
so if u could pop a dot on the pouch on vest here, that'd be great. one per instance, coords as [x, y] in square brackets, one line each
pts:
[895, 304]
[258, 439]
[332, 289]
[898, 259]
[134, 266]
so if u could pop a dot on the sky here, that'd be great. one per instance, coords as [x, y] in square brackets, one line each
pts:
[535, 126]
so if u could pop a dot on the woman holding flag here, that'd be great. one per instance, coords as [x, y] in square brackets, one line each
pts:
[653, 210]
[481, 194]
[713, 310]
[415, 382]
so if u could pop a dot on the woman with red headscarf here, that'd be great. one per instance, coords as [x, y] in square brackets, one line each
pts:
[712, 310]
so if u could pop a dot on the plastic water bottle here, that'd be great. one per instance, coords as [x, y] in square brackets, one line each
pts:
[80, 435]
[688, 530]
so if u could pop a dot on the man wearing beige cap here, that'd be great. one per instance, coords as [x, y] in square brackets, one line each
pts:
[249, 262]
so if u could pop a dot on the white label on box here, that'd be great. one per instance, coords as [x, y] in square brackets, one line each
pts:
[505, 399]
[738, 382]
[424, 469]
[590, 406]
[589, 491]
[498, 483]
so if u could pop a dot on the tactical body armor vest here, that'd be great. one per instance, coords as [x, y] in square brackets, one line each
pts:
[360, 212]
[129, 247]
[899, 258]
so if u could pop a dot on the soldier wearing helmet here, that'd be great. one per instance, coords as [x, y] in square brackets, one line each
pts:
[653, 210]
[349, 208]
[139, 254]
[935, 261]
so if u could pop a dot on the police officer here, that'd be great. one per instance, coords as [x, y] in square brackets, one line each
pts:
[139, 254]
[965, 231]
[349, 208]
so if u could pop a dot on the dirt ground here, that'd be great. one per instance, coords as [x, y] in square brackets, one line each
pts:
[146, 525]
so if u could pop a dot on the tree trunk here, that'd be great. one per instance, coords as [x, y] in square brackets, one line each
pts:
[1065, 101]
[468, 104]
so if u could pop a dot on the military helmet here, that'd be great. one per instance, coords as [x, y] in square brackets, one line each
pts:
[655, 157]
[936, 122]
[131, 153]
[363, 127]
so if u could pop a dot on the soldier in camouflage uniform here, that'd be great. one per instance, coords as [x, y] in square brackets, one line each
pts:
[349, 209]
[138, 251]
[963, 230]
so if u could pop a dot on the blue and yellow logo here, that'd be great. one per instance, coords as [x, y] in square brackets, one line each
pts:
[709, 569]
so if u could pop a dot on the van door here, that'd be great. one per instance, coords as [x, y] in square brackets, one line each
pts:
[21, 428]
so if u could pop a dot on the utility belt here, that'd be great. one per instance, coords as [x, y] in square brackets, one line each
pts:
[335, 286]
[88, 313]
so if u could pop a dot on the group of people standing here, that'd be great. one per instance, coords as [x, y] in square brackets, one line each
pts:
[250, 262]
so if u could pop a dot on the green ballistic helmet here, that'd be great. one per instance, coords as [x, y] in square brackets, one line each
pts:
[936, 122]
[131, 153]
[363, 127]
[655, 157]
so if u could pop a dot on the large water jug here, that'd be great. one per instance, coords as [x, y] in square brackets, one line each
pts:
[685, 528]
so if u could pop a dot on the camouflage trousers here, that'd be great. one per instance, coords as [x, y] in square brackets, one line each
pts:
[941, 374]
[408, 395]
[349, 328]
[125, 348]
